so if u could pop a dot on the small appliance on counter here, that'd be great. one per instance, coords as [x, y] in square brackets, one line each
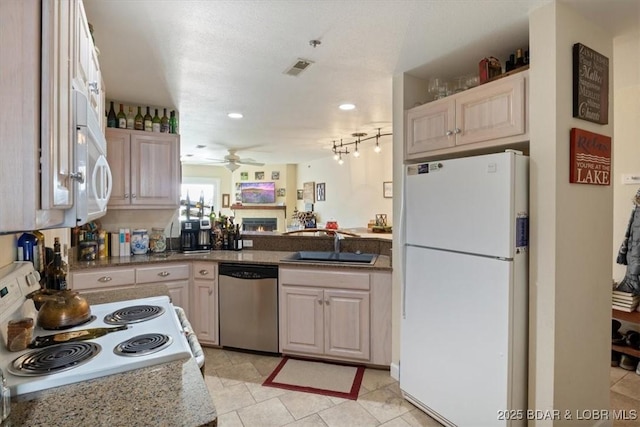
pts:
[195, 235]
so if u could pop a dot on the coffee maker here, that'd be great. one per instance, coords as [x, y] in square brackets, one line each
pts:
[195, 235]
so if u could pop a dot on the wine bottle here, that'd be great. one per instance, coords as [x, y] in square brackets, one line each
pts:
[81, 335]
[122, 119]
[519, 59]
[164, 122]
[138, 123]
[238, 244]
[510, 63]
[188, 213]
[112, 121]
[131, 119]
[155, 122]
[148, 121]
[57, 269]
[173, 123]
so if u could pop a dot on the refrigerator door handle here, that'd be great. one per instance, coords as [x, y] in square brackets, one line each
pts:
[403, 221]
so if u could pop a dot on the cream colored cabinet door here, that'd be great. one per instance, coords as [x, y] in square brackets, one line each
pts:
[346, 324]
[155, 170]
[82, 50]
[204, 303]
[302, 319]
[491, 112]
[179, 292]
[118, 156]
[430, 127]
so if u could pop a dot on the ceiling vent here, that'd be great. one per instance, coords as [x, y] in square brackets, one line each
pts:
[299, 66]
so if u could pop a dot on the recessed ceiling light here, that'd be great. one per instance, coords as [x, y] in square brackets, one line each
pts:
[347, 107]
[235, 115]
[200, 146]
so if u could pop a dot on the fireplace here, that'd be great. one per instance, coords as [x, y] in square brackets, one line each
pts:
[259, 224]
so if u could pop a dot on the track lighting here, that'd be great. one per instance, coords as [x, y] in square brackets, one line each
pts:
[343, 147]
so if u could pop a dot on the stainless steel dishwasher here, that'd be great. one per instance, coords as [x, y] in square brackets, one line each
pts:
[248, 299]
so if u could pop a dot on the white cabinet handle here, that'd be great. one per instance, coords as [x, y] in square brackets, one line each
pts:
[78, 176]
[449, 133]
[104, 279]
[204, 272]
[457, 130]
[164, 274]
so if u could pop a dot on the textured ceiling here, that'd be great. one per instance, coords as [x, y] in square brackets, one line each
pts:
[209, 58]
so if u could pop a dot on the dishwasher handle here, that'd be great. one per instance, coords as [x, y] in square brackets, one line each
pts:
[248, 271]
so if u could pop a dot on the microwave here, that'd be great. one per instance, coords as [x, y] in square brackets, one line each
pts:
[93, 180]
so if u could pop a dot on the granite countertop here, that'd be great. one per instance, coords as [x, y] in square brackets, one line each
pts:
[168, 394]
[383, 262]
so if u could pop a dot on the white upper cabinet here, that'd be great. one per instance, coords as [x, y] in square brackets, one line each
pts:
[493, 114]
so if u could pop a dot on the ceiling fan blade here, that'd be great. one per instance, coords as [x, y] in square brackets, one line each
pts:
[249, 162]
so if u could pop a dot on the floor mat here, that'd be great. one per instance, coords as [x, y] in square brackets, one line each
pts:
[329, 379]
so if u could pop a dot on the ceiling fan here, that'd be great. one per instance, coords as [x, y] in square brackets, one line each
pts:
[233, 161]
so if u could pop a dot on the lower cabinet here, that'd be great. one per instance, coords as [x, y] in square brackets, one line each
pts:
[328, 314]
[204, 304]
[325, 321]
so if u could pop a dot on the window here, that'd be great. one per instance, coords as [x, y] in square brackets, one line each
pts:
[209, 188]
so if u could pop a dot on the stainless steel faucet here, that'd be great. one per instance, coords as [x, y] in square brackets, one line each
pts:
[336, 241]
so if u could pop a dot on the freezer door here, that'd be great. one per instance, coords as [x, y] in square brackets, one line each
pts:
[466, 205]
[456, 354]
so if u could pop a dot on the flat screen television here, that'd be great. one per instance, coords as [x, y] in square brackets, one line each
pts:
[258, 192]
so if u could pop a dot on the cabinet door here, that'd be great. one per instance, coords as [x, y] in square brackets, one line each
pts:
[155, 170]
[430, 127]
[346, 324]
[301, 320]
[491, 112]
[57, 131]
[179, 292]
[118, 149]
[82, 50]
[95, 83]
[204, 313]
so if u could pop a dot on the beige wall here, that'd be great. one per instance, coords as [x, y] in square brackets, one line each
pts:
[353, 189]
[571, 230]
[9, 244]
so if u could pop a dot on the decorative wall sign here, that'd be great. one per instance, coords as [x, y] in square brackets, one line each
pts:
[590, 85]
[309, 192]
[387, 189]
[259, 176]
[299, 194]
[275, 175]
[590, 157]
[320, 192]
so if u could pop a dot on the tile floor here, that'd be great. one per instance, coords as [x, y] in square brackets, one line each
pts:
[235, 382]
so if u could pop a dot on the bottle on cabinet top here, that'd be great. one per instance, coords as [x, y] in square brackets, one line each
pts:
[112, 121]
[164, 122]
[122, 119]
[519, 59]
[131, 119]
[138, 123]
[155, 122]
[148, 121]
[173, 123]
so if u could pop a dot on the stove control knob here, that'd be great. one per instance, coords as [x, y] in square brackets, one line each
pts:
[33, 278]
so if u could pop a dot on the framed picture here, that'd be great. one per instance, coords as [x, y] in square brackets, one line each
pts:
[298, 194]
[589, 157]
[225, 200]
[320, 192]
[259, 176]
[280, 192]
[244, 176]
[387, 189]
[308, 192]
[275, 175]
[590, 85]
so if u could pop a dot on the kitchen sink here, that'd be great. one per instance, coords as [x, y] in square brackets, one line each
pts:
[332, 257]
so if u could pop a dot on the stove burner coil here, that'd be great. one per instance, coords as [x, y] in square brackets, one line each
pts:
[141, 345]
[54, 359]
[133, 314]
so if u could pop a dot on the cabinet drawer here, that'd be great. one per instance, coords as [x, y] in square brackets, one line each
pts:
[325, 279]
[103, 278]
[204, 270]
[164, 273]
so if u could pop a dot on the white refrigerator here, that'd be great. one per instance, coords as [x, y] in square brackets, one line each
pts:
[463, 351]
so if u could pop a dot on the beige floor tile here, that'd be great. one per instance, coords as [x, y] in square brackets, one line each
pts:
[376, 378]
[302, 405]
[213, 383]
[230, 419]
[265, 414]
[232, 398]
[214, 358]
[417, 418]
[239, 357]
[625, 411]
[384, 404]
[266, 364]
[616, 374]
[310, 421]
[234, 374]
[261, 393]
[349, 413]
[396, 422]
[395, 388]
[629, 385]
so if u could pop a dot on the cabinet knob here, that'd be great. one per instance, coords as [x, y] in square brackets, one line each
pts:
[320, 301]
[164, 274]
[449, 133]
[457, 130]
[204, 272]
[104, 279]
[133, 196]
[78, 176]
[326, 302]
[126, 195]
[210, 291]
